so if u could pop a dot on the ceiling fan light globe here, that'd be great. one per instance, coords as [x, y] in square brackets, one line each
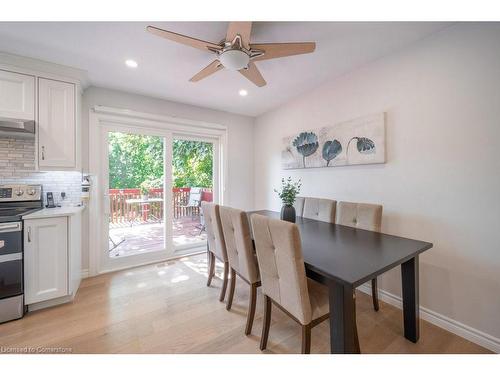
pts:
[234, 59]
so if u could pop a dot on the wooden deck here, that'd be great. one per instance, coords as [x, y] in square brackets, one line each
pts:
[146, 237]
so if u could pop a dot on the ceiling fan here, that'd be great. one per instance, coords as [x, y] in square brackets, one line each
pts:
[236, 52]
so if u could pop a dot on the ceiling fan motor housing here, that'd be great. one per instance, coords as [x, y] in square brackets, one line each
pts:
[234, 59]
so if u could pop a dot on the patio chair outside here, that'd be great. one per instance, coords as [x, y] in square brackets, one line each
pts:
[194, 200]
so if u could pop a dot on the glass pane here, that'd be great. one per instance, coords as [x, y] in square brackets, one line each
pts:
[192, 177]
[136, 170]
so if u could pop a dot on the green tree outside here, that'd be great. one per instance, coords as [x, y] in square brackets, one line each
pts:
[135, 159]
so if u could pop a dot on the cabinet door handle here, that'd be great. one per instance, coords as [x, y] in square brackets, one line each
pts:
[43, 152]
[29, 234]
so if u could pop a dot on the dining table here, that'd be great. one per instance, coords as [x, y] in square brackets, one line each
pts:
[344, 258]
[144, 203]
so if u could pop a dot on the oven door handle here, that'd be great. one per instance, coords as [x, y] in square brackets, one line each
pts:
[10, 257]
[10, 227]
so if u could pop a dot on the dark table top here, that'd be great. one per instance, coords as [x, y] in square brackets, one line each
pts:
[349, 255]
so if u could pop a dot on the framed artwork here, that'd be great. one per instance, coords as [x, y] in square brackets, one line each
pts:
[358, 141]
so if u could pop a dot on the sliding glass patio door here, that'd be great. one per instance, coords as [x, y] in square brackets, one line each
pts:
[136, 177]
[153, 183]
[194, 180]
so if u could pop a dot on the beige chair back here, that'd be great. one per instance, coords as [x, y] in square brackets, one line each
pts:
[299, 206]
[360, 215]
[282, 269]
[213, 227]
[240, 253]
[319, 209]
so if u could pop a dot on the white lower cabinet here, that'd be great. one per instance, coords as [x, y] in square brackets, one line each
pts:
[52, 260]
[45, 259]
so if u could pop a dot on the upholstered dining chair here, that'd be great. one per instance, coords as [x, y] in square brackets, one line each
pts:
[241, 256]
[216, 245]
[319, 209]
[284, 281]
[364, 216]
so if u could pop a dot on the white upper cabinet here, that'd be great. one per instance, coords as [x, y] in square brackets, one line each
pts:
[17, 95]
[56, 124]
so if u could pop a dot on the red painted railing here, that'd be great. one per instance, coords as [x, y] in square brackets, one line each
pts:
[124, 213]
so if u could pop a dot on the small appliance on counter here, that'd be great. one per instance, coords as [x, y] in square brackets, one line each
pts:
[15, 202]
[86, 179]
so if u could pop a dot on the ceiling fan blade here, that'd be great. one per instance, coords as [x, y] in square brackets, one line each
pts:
[276, 50]
[211, 68]
[253, 74]
[179, 38]
[243, 29]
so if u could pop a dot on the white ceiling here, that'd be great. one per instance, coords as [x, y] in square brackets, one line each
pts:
[165, 67]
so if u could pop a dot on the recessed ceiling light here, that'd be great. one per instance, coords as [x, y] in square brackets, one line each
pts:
[131, 63]
[243, 92]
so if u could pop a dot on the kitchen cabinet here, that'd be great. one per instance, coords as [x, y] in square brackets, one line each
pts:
[45, 259]
[17, 96]
[52, 256]
[56, 124]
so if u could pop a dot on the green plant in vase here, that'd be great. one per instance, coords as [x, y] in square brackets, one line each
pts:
[288, 194]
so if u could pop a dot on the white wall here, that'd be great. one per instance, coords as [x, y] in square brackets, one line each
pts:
[239, 183]
[441, 182]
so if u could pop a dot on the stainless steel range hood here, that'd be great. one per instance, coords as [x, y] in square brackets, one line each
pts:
[10, 127]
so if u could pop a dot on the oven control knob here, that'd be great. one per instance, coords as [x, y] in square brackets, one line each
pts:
[31, 192]
[19, 192]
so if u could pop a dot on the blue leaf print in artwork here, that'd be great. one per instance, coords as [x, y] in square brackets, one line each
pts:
[331, 149]
[364, 145]
[306, 144]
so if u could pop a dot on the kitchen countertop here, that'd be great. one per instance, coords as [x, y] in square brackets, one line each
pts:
[54, 212]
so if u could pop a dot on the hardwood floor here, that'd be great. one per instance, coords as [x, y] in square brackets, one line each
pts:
[167, 308]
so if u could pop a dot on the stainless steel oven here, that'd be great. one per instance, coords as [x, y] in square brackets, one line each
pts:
[11, 271]
[15, 201]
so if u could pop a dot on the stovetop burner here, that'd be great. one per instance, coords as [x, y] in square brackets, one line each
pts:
[19, 200]
[15, 214]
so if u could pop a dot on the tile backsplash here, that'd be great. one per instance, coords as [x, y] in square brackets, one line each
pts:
[17, 165]
[17, 157]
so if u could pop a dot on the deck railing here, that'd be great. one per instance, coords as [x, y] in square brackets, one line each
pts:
[123, 213]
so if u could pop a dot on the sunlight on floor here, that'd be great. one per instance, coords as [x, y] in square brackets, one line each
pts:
[178, 279]
[200, 265]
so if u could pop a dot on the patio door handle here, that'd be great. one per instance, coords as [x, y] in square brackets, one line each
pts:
[106, 203]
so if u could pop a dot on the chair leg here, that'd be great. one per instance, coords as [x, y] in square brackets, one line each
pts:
[224, 282]
[375, 294]
[266, 323]
[251, 308]
[306, 339]
[232, 284]
[211, 267]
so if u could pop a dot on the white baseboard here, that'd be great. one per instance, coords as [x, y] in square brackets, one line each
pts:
[480, 338]
[50, 303]
[85, 273]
